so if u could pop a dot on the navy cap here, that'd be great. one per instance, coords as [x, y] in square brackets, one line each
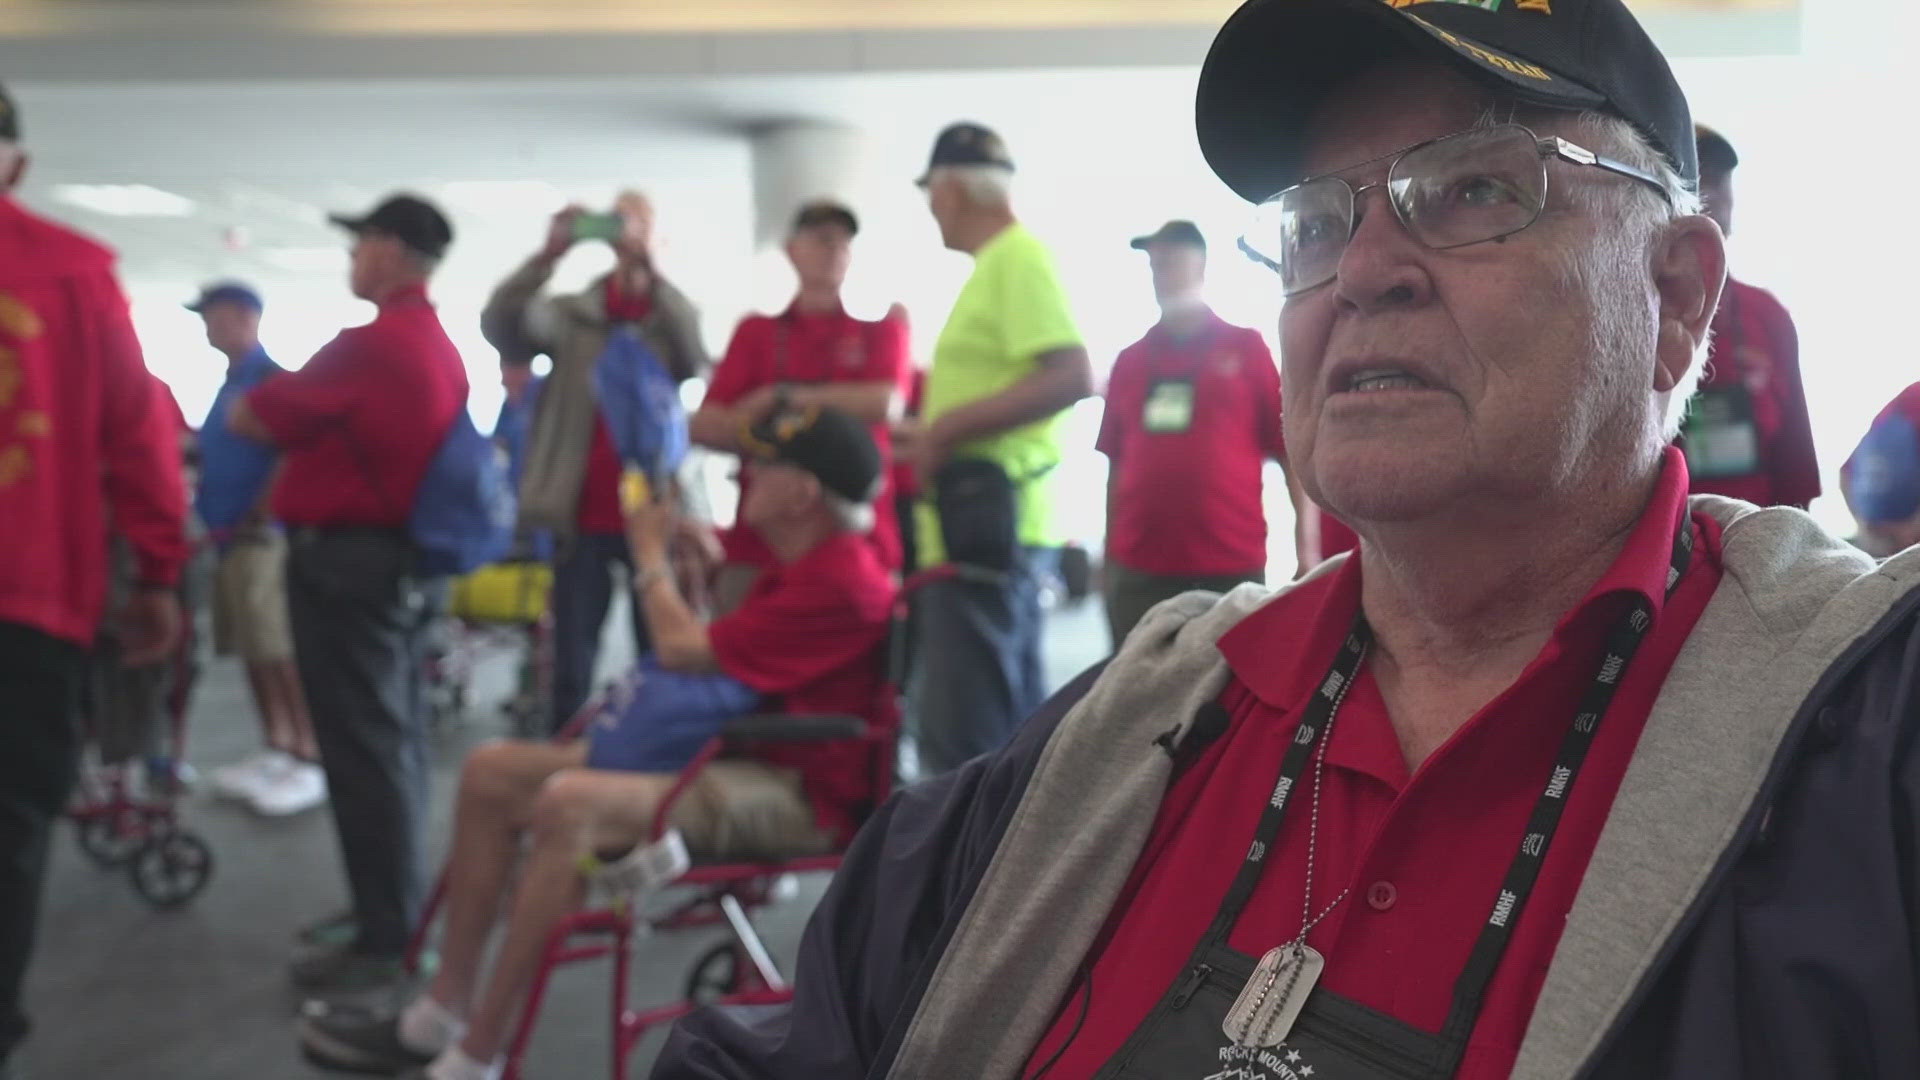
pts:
[826, 212]
[967, 143]
[409, 219]
[837, 449]
[1882, 478]
[226, 292]
[1173, 232]
[9, 117]
[1716, 153]
[1275, 60]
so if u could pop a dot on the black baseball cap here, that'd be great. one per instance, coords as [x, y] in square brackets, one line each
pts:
[1716, 153]
[837, 449]
[967, 143]
[409, 219]
[9, 117]
[226, 292]
[826, 212]
[1275, 60]
[1173, 232]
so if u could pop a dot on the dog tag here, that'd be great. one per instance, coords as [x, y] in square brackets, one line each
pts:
[1271, 1001]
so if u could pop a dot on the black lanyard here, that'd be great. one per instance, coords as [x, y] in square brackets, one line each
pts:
[1623, 641]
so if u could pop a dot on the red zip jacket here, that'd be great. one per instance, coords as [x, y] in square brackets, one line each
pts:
[82, 433]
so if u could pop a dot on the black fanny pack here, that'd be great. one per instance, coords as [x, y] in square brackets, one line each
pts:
[979, 509]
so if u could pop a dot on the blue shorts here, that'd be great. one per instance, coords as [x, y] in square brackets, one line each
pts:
[656, 720]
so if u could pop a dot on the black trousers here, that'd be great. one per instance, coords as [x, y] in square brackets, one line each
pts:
[359, 631]
[40, 684]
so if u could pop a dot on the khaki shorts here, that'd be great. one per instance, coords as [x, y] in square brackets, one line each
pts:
[738, 809]
[250, 600]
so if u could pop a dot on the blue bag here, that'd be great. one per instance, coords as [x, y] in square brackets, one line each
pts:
[1883, 476]
[641, 404]
[655, 720]
[463, 513]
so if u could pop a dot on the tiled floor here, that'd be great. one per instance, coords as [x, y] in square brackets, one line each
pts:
[125, 993]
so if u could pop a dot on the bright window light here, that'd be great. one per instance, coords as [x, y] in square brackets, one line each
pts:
[124, 200]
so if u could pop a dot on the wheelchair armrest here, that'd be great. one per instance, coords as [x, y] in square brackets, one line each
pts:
[775, 727]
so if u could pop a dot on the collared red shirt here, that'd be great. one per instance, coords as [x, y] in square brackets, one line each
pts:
[360, 422]
[1423, 853]
[1187, 489]
[1754, 345]
[234, 470]
[810, 634]
[812, 347]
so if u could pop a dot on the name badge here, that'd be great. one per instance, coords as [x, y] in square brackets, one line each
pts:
[1721, 438]
[1169, 407]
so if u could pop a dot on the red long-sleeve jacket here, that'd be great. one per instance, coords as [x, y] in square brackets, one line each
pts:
[82, 433]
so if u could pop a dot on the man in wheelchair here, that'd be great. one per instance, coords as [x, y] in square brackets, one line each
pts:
[809, 639]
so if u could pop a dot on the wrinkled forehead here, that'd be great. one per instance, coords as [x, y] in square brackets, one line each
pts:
[1396, 104]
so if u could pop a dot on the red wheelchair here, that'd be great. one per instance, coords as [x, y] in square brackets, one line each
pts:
[738, 970]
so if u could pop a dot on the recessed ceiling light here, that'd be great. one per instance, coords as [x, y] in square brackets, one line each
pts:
[124, 200]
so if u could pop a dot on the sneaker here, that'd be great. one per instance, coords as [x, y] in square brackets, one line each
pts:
[242, 778]
[357, 1040]
[298, 787]
[336, 931]
[340, 970]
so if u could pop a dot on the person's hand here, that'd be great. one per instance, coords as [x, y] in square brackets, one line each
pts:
[560, 238]
[921, 446]
[149, 626]
[760, 404]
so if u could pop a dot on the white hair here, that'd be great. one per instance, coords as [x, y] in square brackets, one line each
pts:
[853, 517]
[1639, 215]
[985, 185]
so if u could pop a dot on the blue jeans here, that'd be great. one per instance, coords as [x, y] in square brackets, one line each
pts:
[977, 671]
[583, 584]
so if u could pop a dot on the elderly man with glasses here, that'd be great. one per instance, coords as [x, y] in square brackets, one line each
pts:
[1561, 774]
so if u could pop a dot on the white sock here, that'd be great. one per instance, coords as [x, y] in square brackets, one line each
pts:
[428, 1027]
[454, 1064]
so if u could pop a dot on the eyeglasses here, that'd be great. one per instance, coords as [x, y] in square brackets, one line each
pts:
[1449, 192]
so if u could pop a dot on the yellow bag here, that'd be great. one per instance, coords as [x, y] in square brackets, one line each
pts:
[513, 592]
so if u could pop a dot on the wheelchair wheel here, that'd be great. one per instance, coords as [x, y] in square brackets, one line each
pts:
[171, 869]
[110, 840]
[715, 975]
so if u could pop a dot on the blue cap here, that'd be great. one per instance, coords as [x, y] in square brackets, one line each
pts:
[226, 292]
[1882, 478]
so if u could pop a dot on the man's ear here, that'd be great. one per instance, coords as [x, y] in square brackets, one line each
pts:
[1689, 272]
[13, 166]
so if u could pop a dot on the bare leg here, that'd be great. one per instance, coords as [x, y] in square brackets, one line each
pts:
[578, 812]
[293, 702]
[498, 788]
[266, 701]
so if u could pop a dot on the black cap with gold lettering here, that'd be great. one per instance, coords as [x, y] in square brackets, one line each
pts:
[1276, 59]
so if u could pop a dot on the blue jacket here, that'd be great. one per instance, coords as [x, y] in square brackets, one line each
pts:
[1752, 910]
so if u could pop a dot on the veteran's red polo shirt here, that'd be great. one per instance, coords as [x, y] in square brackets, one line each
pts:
[1189, 422]
[360, 421]
[811, 634]
[813, 347]
[1423, 852]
